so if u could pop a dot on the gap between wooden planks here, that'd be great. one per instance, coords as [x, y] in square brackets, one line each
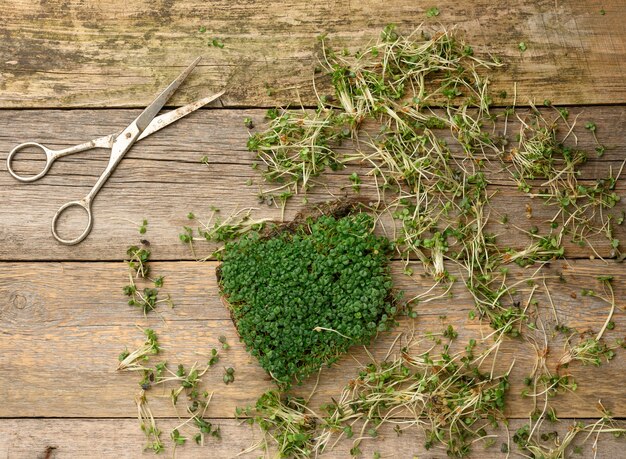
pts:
[162, 179]
[120, 53]
[122, 438]
[62, 327]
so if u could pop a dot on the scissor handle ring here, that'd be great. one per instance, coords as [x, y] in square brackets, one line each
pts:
[85, 205]
[49, 159]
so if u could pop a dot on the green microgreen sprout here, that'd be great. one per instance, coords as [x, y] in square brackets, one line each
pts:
[216, 229]
[138, 261]
[600, 149]
[229, 375]
[287, 423]
[432, 12]
[196, 410]
[137, 361]
[133, 361]
[216, 43]
[148, 424]
[588, 351]
[542, 382]
[205, 428]
[177, 438]
[591, 350]
[225, 345]
[356, 182]
[247, 121]
[522, 46]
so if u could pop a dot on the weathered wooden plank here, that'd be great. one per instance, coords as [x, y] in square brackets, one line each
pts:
[79, 54]
[121, 438]
[162, 179]
[62, 326]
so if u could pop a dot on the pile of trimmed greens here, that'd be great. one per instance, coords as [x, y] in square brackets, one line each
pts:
[424, 147]
[446, 394]
[417, 110]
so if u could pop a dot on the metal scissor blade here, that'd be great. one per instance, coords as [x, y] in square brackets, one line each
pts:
[151, 110]
[168, 118]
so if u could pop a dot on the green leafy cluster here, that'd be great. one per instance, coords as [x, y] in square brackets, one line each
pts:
[448, 395]
[445, 393]
[433, 69]
[287, 420]
[301, 298]
[298, 146]
[551, 444]
[218, 229]
[583, 210]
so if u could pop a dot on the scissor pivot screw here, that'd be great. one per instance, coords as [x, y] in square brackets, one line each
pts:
[128, 135]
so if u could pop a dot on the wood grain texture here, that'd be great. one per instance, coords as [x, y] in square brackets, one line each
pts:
[107, 438]
[64, 321]
[69, 53]
[161, 179]
[62, 326]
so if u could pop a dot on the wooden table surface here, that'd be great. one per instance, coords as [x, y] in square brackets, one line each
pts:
[74, 69]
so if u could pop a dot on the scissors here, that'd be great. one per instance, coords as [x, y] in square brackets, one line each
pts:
[119, 143]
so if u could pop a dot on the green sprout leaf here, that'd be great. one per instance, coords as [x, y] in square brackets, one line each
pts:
[432, 12]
